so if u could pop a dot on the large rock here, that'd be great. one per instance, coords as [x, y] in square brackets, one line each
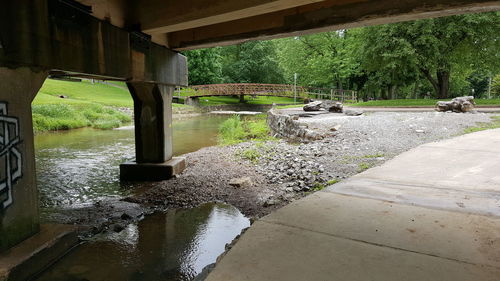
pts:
[337, 107]
[460, 104]
[313, 106]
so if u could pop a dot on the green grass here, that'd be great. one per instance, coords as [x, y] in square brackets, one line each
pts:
[298, 105]
[495, 124]
[51, 117]
[378, 155]
[85, 104]
[419, 102]
[84, 92]
[235, 130]
[251, 154]
[364, 167]
[331, 182]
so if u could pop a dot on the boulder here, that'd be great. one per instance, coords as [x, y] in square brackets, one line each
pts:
[353, 112]
[337, 107]
[313, 106]
[460, 105]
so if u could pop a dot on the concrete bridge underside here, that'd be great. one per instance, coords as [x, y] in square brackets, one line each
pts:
[136, 42]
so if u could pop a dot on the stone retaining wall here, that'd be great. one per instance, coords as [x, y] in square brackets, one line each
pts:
[286, 127]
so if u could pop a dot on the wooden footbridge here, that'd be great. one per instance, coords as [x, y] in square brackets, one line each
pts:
[277, 90]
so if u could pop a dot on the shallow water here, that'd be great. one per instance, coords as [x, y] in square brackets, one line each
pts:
[176, 245]
[82, 166]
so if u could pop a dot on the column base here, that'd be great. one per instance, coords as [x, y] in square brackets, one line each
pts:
[35, 254]
[132, 171]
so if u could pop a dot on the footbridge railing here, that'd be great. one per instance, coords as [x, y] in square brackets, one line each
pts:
[279, 90]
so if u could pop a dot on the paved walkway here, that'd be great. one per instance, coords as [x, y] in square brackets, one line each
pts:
[432, 213]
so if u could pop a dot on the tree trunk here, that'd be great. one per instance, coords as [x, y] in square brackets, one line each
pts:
[415, 90]
[392, 92]
[443, 78]
[441, 85]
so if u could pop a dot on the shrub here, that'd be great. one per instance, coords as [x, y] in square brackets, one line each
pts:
[231, 131]
[234, 130]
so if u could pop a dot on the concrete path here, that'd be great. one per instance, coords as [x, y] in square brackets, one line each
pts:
[432, 213]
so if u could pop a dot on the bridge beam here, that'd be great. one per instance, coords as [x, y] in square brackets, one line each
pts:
[153, 134]
[321, 16]
[18, 193]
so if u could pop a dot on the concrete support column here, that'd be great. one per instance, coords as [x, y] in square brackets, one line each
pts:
[19, 217]
[153, 134]
[193, 101]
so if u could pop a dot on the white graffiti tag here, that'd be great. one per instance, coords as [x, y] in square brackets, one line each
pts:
[10, 157]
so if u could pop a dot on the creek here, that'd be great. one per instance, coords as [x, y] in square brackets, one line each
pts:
[80, 167]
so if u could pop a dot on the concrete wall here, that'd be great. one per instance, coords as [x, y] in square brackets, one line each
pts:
[19, 217]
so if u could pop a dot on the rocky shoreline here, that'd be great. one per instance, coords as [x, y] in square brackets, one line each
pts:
[259, 177]
[275, 173]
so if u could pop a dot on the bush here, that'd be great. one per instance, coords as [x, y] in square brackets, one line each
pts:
[231, 131]
[234, 130]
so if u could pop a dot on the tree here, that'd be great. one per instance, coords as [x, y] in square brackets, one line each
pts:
[322, 60]
[251, 62]
[204, 66]
[435, 48]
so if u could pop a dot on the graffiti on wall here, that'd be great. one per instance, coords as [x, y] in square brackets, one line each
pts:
[10, 156]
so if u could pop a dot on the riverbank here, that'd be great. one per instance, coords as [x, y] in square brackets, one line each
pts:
[259, 176]
[256, 177]
[64, 105]
[274, 173]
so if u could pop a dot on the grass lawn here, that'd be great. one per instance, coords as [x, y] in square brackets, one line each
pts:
[86, 92]
[419, 102]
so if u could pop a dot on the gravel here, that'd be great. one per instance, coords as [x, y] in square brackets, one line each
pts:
[282, 172]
